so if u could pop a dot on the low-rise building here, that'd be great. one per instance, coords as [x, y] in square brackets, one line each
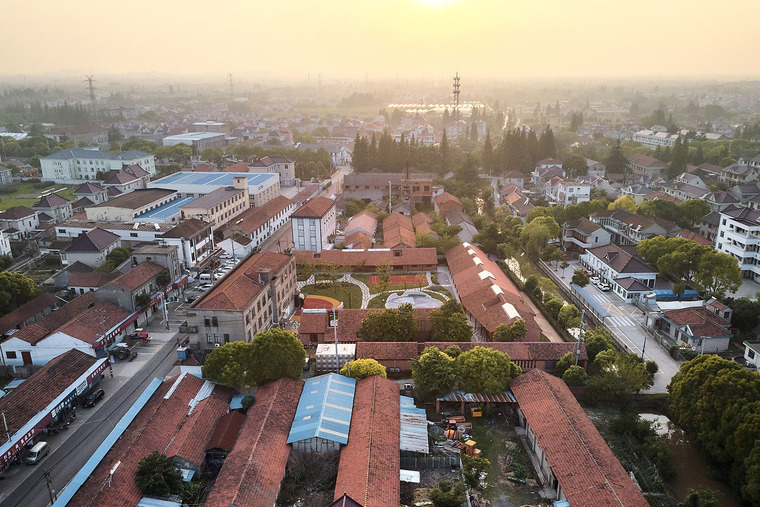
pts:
[566, 446]
[198, 140]
[5, 244]
[127, 290]
[646, 165]
[582, 234]
[360, 230]
[611, 262]
[313, 224]
[739, 236]
[88, 134]
[194, 240]
[127, 179]
[398, 231]
[91, 247]
[219, 206]
[55, 207]
[19, 222]
[413, 188]
[95, 193]
[283, 166]
[445, 202]
[127, 207]
[257, 224]
[563, 192]
[752, 354]
[80, 282]
[28, 313]
[404, 259]
[166, 256]
[652, 139]
[629, 228]
[77, 164]
[699, 328]
[254, 296]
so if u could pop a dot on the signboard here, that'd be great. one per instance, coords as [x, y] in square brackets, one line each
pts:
[96, 373]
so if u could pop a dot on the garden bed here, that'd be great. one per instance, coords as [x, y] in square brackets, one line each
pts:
[348, 293]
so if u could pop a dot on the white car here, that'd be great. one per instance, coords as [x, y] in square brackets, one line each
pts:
[205, 287]
[605, 287]
[595, 280]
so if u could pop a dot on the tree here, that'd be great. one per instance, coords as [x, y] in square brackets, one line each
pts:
[700, 498]
[384, 270]
[565, 362]
[597, 341]
[620, 380]
[569, 316]
[693, 210]
[212, 155]
[158, 476]
[575, 376]
[536, 234]
[575, 165]
[453, 328]
[553, 305]
[276, 353]
[15, 290]
[563, 266]
[163, 279]
[579, 278]
[510, 332]
[433, 373]
[230, 365]
[142, 300]
[625, 202]
[745, 313]
[447, 495]
[363, 368]
[616, 162]
[390, 325]
[678, 159]
[452, 351]
[472, 469]
[485, 371]
[718, 272]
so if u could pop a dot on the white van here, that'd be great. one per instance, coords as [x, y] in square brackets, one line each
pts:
[39, 451]
[205, 277]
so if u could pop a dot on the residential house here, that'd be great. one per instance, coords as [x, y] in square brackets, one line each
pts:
[595, 168]
[80, 282]
[515, 178]
[19, 222]
[257, 294]
[566, 445]
[738, 234]
[463, 220]
[166, 256]
[398, 232]
[582, 234]
[629, 228]
[141, 281]
[543, 173]
[422, 222]
[563, 192]
[611, 262]
[91, 247]
[360, 230]
[686, 191]
[28, 313]
[257, 224]
[283, 166]
[5, 245]
[738, 174]
[193, 238]
[708, 226]
[313, 224]
[644, 165]
[752, 354]
[518, 203]
[55, 207]
[87, 134]
[488, 296]
[697, 328]
[720, 200]
[446, 202]
[6, 176]
[93, 192]
[127, 179]
[636, 192]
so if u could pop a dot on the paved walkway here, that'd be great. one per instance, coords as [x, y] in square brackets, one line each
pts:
[544, 324]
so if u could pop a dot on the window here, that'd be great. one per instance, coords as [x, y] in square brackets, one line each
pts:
[750, 354]
[207, 322]
[214, 322]
[226, 338]
[10, 354]
[209, 338]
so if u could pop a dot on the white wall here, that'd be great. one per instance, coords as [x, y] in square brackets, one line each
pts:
[45, 350]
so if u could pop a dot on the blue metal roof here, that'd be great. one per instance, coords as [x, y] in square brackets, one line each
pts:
[324, 409]
[598, 308]
[236, 403]
[167, 210]
[217, 179]
[155, 502]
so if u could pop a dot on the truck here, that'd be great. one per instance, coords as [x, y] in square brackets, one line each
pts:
[139, 334]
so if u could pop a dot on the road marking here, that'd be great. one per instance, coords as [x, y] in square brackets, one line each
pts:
[601, 298]
[621, 321]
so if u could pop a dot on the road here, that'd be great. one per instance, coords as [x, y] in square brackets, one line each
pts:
[68, 458]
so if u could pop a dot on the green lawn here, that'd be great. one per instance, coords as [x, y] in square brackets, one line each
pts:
[437, 295]
[348, 293]
[379, 301]
[26, 195]
[376, 289]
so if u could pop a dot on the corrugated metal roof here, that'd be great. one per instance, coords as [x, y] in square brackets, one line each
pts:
[477, 398]
[414, 435]
[324, 409]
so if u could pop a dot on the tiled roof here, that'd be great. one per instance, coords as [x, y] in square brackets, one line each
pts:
[314, 208]
[50, 201]
[620, 260]
[190, 441]
[398, 231]
[213, 198]
[33, 333]
[448, 200]
[687, 234]
[388, 351]
[253, 471]
[94, 322]
[631, 284]
[94, 240]
[421, 222]
[44, 386]
[647, 161]
[587, 471]
[371, 258]
[370, 463]
[486, 292]
[517, 351]
[82, 202]
[113, 192]
[253, 218]
[16, 212]
[313, 323]
[700, 320]
[583, 224]
[94, 279]
[153, 429]
[659, 195]
[138, 275]
[237, 167]
[137, 199]
[350, 320]
[364, 220]
[208, 168]
[359, 239]
[188, 228]
[88, 188]
[26, 311]
[241, 285]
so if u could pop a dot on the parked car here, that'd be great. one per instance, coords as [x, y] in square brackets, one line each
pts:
[595, 280]
[205, 287]
[605, 287]
[93, 398]
[39, 451]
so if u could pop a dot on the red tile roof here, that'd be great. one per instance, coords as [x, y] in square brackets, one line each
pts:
[314, 208]
[138, 275]
[253, 218]
[364, 220]
[226, 431]
[700, 320]
[154, 429]
[33, 333]
[388, 351]
[95, 279]
[448, 201]
[253, 471]
[241, 285]
[44, 386]
[398, 231]
[587, 471]
[95, 322]
[237, 167]
[370, 462]
[359, 239]
[372, 258]
[487, 293]
[687, 234]
[26, 311]
[421, 222]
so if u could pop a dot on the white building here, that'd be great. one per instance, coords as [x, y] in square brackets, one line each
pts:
[77, 164]
[19, 222]
[5, 244]
[313, 224]
[653, 139]
[739, 236]
[198, 140]
[562, 192]
[612, 262]
[283, 166]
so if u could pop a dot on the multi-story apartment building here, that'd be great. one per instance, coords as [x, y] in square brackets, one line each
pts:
[313, 224]
[221, 205]
[283, 166]
[254, 296]
[53, 208]
[582, 234]
[629, 228]
[562, 192]
[739, 236]
[79, 164]
[652, 139]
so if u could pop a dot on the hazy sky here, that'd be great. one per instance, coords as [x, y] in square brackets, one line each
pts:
[504, 39]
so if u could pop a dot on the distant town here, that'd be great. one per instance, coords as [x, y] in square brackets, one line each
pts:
[374, 294]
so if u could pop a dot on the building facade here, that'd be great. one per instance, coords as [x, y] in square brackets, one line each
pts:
[739, 236]
[313, 224]
[79, 164]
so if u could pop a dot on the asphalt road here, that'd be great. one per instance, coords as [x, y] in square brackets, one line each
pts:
[68, 459]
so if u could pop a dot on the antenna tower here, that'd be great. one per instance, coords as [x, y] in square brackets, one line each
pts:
[91, 87]
[456, 96]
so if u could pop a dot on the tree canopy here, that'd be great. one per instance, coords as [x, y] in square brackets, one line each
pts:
[158, 476]
[433, 373]
[510, 332]
[449, 323]
[390, 325]
[363, 368]
[484, 370]
[15, 290]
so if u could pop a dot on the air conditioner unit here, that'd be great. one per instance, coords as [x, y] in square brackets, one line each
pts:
[216, 345]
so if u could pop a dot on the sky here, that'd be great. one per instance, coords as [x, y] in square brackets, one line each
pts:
[383, 39]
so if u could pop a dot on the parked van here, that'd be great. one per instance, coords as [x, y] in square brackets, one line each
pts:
[205, 277]
[39, 451]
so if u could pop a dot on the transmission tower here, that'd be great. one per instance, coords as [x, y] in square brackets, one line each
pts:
[456, 97]
[232, 89]
[91, 87]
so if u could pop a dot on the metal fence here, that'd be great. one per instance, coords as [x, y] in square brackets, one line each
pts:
[424, 462]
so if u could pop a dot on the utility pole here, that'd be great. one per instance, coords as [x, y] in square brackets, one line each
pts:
[390, 204]
[580, 334]
[335, 328]
[456, 97]
[49, 482]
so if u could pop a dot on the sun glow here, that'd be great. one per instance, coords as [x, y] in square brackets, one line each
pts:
[436, 3]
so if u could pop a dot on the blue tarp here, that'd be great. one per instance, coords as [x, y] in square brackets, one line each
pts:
[324, 409]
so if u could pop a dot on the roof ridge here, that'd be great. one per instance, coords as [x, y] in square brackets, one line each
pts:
[371, 432]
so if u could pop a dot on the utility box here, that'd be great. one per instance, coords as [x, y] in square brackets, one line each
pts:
[325, 356]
